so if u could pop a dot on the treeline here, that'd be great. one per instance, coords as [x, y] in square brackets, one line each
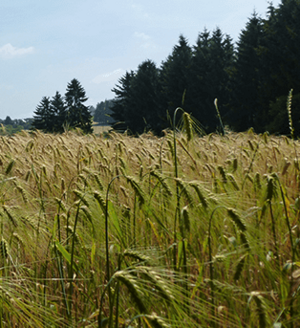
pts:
[60, 114]
[251, 79]
[10, 126]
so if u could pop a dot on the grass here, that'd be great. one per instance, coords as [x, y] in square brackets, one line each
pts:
[179, 231]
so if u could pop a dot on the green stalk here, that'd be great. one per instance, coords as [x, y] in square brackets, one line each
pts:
[71, 271]
[274, 235]
[219, 116]
[211, 265]
[292, 247]
[177, 211]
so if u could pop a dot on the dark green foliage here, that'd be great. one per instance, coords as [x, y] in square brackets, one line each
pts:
[144, 112]
[137, 107]
[78, 114]
[44, 117]
[174, 76]
[61, 114]
[209, 78]
[280, 119]
[122, 101]
[246, 78]
[250, 82]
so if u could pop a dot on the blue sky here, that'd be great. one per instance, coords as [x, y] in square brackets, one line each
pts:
[45, 44]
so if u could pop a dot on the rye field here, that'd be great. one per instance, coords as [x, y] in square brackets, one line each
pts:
[178, 231]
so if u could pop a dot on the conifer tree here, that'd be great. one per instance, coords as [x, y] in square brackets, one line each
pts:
[58, 108]
[123, 100]
[43, 118]
[279, 54]
[137, 102]
[209, 75]
[246, 78]
[78, 114]
[174, 74]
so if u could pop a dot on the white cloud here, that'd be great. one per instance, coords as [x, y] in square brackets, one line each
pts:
[142, 36]
[107, 77]
[9, 51]
[146, 40]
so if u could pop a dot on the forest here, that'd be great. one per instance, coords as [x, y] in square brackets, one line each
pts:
[251, 79]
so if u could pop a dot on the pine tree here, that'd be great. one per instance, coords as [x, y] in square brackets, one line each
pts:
[279, 55]
[174, 74]
[145, 114]
[78, 114]
[209, 75]
[44, 117]
[58, 108]
[122, 101]
[136, 105]
[246, 78]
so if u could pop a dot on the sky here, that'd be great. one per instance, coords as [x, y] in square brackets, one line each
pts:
[45, 44]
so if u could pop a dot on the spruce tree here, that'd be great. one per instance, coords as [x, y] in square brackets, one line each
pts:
[145, 112]
[78, 114]
[58, 108]
[137, 105]
[279, 54]
[246, 78]
[174, 75]
[209, 75]
[43, 118]
[123, 101]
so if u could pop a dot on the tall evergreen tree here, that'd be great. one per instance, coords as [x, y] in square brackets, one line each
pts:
[58, 108]
[43, 118]
[137, 104]
[279, 54]
[145, 112]
[209, 75]
[78, 114]
[174, 74]
[123, 100]
[246, 78]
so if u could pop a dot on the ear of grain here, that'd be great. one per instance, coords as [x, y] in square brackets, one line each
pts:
[135, 186]
[185, 224]
[289, 110]
[10, 166]
[130, 282]
[200, 192]
[100, 200]
[271, 188]
[10, 215]
[239, 268]
[236, 219]
[187, 125]
[141, 257]
[3, 249]
[163, 182]
[157, 322]
[184, 191]
[233, 182]
[22, 191]
[234, 165]
[222, 173]
[257, 182]
[261, 309]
